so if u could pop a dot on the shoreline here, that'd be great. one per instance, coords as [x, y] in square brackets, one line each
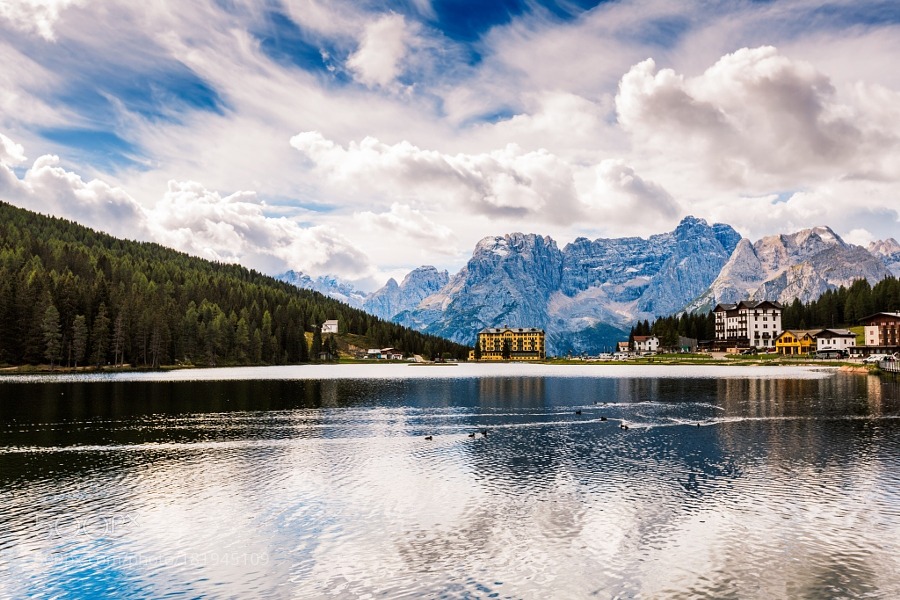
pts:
[399, 371]
[659, 360]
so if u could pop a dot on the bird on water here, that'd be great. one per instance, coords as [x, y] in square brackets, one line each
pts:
[428, 437]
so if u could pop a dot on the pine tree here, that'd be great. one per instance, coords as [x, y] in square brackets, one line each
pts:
[100, 336]
[303, 347]
[79, 339]
[316, 342]
[52, 335]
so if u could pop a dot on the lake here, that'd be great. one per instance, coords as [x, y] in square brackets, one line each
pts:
[318, 481]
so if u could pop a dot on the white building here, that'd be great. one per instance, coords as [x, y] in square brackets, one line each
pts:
[384, 354]
[330, 326]
[838, 339]
[748, 324]
[646, 343]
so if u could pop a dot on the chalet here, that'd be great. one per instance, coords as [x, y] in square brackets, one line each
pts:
[511, 343]
[796, 341]
[747, 324]
[330, 326]
[623, 347]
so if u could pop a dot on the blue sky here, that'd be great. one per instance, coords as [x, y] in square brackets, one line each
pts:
[363, 139]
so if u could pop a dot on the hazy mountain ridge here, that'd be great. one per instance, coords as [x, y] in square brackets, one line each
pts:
[327, 286]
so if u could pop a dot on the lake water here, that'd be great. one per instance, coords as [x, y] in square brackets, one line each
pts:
[312, 482]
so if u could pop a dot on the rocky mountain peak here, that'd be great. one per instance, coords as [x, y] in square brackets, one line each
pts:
[394, 298]
[587, 295]
[886, 247]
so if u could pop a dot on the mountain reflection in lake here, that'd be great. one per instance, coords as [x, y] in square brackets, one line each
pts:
[740, 487]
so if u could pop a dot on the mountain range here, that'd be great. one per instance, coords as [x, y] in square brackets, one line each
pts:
[587, 294]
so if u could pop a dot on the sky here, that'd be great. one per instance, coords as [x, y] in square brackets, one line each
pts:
[364, 138]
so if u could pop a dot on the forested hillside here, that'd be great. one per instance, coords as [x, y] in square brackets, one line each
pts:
[844, 306]
[71, 295]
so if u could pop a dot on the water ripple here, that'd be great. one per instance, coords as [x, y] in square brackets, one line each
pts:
[785, 489]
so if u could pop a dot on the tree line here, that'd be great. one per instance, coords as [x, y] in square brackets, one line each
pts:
[840, 307]
[699, 326]
[71, 295]
[844, 306]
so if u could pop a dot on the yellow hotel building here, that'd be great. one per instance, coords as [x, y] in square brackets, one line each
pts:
[524, 343]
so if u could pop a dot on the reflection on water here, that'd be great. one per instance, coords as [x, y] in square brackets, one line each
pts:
[730, 487]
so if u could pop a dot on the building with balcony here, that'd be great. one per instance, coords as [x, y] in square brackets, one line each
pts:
[882, 329]
[796, 341]
[510, 343]
[747, 324]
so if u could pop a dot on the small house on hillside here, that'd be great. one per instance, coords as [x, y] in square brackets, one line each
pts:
[330, 326]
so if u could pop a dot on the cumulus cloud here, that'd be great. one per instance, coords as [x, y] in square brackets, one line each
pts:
[34, 16]
[754, 119]
[188, 217]
[11, 153]
[235, 228]
[509, 182]
[408, 222]
[49, 188]
[384, 45]
[619, 189]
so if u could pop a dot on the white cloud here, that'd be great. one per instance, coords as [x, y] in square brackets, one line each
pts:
[384, 45]
[620, 195]
[752, 121]
[188, 217]
[401, 220]
[34, 16]
[518, 131]
[11, 153]
[49, 188]
[860, 237]
[507, 183]
[235, 228]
